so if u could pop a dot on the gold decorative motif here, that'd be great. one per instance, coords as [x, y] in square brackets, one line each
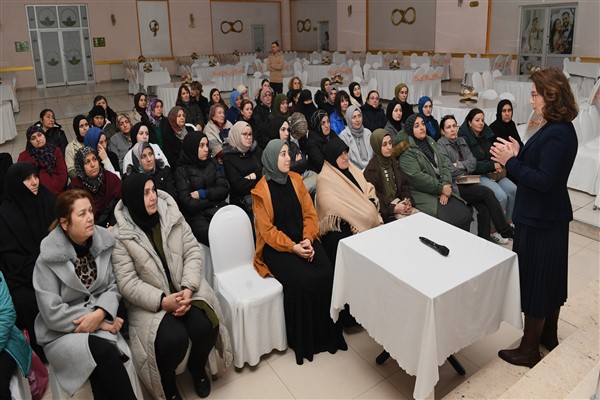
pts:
[233, 26]
[303, 25]
[154, 26]
[404, 16]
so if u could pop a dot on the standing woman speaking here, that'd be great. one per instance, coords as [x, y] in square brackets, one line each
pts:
[542, 211]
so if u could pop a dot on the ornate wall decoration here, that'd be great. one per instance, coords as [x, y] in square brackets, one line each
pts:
[154, 26]
[236, 26]
[303, 25]
[408, 16]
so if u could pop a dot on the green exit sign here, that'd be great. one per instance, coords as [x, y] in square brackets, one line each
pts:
[99, 42]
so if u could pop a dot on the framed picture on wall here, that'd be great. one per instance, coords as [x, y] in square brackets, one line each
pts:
[533, 22]
[561, 30]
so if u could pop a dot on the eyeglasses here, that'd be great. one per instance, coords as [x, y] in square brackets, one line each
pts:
[534, 95]
[268, 95]
[373, 98]
[247, 134]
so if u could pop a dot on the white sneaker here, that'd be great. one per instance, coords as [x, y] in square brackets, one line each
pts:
[498, 239]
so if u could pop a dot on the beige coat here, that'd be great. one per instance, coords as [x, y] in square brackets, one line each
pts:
[142, 281]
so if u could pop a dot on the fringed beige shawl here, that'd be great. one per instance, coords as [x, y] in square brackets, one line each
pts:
[339, 199]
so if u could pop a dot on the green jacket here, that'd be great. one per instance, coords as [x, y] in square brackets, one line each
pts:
[425, 186]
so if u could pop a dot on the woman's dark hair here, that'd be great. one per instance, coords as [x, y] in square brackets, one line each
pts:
[275, 42]
[370, 93]
[263, 82]
[337, 103]
[244, 102]
[100, 97]
[291, 83]
[181, 89]
[195, 85]
[137, 97]
[446, 118]
[553, 86]
[472, 114]
[64, 204]
[44, 111]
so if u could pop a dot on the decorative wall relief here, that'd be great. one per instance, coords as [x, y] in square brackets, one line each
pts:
[303, 25]
[408, 16]
[236, 26]
[154, 26]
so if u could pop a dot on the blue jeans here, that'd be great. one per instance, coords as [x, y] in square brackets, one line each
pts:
[505, 191]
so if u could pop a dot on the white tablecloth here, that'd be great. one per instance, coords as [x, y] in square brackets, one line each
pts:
[387, 79]
[450, 104]
[155, 65]
[520, 86]
[168, 93]
[153, 78]
[318, 72]
[8, 129]
[423, 307]
[7, 93]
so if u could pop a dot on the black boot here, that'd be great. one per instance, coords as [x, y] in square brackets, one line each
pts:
[549, 338]
[528, 352]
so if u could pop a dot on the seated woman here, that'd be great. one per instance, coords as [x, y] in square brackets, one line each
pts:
[196, 95]
[357, 137]
[287, 248]
[168, 300]
[25, 215]
[215, 97]
[144, 161]
[120, 143]
[318, 138]
[329, 105]
[321, 94]
[264, 84]
[138, 113]
[425, 107]
[480, 138]
[78, 299]
[233, 113]
[394, 124]
[260, 115]
[373, 114]
[202, 189]
[401, 94]
[337, 118]
[96, 139]
[142, 133]
[53, 131]
[217, 130]
[246, 111]
[391, 186]
[504, 127]
[305, 104]
[461, 162]
[429, 177]
[280, 107]
[47, 158]
[156, 119]
[80, 127]
[97, 119]
[173, 134]
[193, 113]
[14, 349]
[355, 94]
[109, 114]
[104, 186]
[243, 166]
[294, 89]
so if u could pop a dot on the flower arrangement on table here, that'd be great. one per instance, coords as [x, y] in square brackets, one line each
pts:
[194, 56]
[141, 58]
[147, 67]
[213, 62]
[325, 60]
[468, 94]
[394, 64]
[337, 78]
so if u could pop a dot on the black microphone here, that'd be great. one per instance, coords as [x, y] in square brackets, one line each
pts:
[443, 250]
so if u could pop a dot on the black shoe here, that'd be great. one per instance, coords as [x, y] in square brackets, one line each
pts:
[202, 385]
[508, 233]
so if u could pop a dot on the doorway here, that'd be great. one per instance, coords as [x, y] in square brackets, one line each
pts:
[323, 44]
[258, 38]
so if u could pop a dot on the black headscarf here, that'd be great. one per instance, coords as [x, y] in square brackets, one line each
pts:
[390, 108]
[273, 127]
[422, 144]
[333, 149]
[351, 93]
[189, 154]
[133, 198]
[503, 129]
[136, 128]
[136, 100]
[76, 122]
[45, 154]
[306, 109]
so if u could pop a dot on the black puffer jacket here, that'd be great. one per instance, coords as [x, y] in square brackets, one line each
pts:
[237, 167]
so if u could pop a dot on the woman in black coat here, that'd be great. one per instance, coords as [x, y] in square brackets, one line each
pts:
[144, 161]
[373, 115]
[317, 140]
[200, 183]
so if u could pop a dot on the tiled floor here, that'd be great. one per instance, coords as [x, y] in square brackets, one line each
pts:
[345, 375]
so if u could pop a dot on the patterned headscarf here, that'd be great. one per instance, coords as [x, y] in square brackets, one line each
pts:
[91, 184]
[150, 111]
[43, 155]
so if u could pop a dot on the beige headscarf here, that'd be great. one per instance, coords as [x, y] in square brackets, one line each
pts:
[235, 137]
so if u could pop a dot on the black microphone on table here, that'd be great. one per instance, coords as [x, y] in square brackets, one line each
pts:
[443, 250]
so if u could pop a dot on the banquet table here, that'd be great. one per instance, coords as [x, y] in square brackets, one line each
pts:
[520, 86]
[423, 307]
[451, 105]
[168, 93]
[153, 78]
[387, 79]
[8, 128]
[316, 72]
[7, 93]
[475, 65]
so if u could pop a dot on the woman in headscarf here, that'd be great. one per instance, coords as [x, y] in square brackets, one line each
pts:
[372, 112]
[109, 114]
[425, 107]
[357, 137]
[156, 119]
[280, 107]
[217, 130]
[318, 138]
[305, 104]
[430, 178]
[391, 186]
[120, 143]
[504, 127]
[260, 116]
[138, 113]
[174, 133]
[394, 118]
[287, 248]
[169, 302]
[146, 162]
[80, 127]
[355, 94]
[337, 118]
[329, 105]
[53, 131]
[215, 97]
[321, 94]
[235, 101]
[96, 139]
[104, 186]
[25, 215]
[142, 133]
[97, 119]
[401, 94]
[202, 189]
[193, 113]
[47, 158]
[243, 166]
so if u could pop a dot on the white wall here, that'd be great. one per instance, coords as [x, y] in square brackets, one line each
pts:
[351, 30]
[315, 11]
[461, 29]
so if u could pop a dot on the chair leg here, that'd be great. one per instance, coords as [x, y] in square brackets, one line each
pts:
[381, 358]
[456, 364]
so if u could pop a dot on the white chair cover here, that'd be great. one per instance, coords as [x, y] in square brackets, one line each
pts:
[297, 68]
[489, 94]
[338, 58]
[498, 62]
[488, 81]
[372, 85]
[507, 96]
[478, 82]
[496, 74]
[507, 68]
[357, 71]
[252, 305]
[304, 77]
[366, 69]
[315, 58]
[446, 65]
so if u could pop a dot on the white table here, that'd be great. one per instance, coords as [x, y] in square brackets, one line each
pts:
[8, 128]
[155, 65]
[7, 93]
[475, 65]
[387, 79]
[316, 72]
[153, 78]
[168, 93]
[421, 306]
[450, 104]
[520, 86]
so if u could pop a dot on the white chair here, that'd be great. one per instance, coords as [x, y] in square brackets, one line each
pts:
[418, 77]
[498, 62]
[366, 69]
[357, 72]
[446, 65]
[489, 94]
[372, 85]
[507, 68]
[376, 66]
[478, 82]
[488, 81]
[338, 58]
[19, 386]
[252, 305]
[496, 74]
[297, 68]
[315, 58]
[304, 77]
[507, 96]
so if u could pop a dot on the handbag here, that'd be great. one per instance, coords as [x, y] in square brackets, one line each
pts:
[496, 176]
[38, 374]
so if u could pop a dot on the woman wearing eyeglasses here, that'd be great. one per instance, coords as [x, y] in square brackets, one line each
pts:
[373, 115]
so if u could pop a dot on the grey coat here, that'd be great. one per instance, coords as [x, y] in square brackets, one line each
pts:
[450, 154]
[142, 281]
[62, 298]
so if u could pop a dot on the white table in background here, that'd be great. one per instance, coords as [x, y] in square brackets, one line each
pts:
[254, 84]
[168, 93]
[316, 72]
[8, 128]
[153, 78]
[475, 65]
[7, 93]
[387, 79]
[450, 104]
[423, 307]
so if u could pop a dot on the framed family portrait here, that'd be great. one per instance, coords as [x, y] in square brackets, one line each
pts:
[561, 30]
